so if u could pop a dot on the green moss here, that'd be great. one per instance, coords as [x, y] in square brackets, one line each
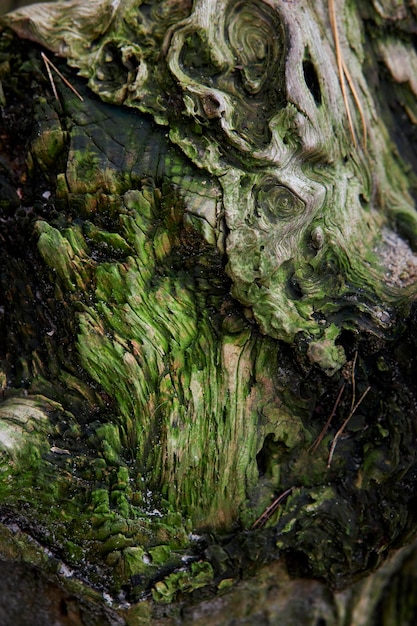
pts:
[65, 254]
[109, 434]
[225, 584]
[325, 353]
[139, 615]
[134, 560]
[183, 581]
[115, 542]
[100, 500]
[73, 552]
[111, 240]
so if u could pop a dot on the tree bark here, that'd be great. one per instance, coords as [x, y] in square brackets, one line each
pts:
[208, 323]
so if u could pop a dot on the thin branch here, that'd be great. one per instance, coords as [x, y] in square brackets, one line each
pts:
[343, 426]
[319, 439]
[268, 513]
[48, 65]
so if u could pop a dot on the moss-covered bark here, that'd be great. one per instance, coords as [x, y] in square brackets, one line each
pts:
[197, 266]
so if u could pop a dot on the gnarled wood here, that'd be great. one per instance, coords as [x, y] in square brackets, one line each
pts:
[197, 255]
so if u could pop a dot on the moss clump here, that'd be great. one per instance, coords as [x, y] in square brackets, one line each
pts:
[185, 581]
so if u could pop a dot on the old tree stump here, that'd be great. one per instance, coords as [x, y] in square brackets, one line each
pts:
[208, 345]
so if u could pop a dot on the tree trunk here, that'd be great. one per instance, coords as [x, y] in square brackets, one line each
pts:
[208, 331]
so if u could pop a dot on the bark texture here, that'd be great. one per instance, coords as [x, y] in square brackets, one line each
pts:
[202, 262]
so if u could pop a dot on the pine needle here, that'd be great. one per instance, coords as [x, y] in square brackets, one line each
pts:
[343, 426]
[49, 65]
[345, 74]
[340, 64]
[358, 104]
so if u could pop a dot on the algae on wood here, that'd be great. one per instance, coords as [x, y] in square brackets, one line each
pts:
[193, 264]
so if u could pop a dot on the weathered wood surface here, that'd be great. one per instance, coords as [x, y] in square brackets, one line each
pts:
[196, 258]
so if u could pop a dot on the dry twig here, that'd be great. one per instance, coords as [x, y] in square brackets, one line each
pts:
[343, 426]
[319, 439]
[268, 513]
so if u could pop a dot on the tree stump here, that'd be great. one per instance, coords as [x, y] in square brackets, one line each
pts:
[208, 345]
